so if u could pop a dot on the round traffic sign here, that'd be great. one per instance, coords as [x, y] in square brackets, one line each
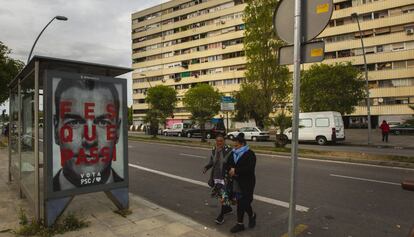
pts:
[315, 17]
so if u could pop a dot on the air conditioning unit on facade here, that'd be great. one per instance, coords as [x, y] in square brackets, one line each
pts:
[409, 31]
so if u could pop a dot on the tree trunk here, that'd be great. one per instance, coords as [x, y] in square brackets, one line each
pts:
[203, 131]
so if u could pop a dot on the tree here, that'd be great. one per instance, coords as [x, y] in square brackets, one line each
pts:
[161, 100]
[331, 87]
[269, 82]
[130, 115]
[282, 121]
[9, 68]
[203, 102]
[411, 120]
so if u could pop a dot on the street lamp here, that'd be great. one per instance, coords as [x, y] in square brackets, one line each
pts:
[355, 16]
[60, 18]
[146, 78]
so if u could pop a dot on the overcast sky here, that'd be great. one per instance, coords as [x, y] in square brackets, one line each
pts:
[97, 30]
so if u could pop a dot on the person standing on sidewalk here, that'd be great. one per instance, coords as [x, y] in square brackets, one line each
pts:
[219, 180]
[385, 129]
[242, 169]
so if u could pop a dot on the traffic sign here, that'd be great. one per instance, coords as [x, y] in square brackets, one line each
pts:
[310, 53]
[228, 99]
[315, 17]
[227, 107]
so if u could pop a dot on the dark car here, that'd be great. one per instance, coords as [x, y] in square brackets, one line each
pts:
[402, 129]
[211, 130]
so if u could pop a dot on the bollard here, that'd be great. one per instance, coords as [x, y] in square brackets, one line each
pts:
[408, 185]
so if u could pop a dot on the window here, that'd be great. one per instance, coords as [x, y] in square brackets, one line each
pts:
[399, 64]
[398, 46]
[322, 122]
[305, 123]
[338, 121]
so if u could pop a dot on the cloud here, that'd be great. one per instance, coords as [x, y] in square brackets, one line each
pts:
[98, 31]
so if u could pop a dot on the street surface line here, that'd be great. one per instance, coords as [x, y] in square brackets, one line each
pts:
[363, 179]
[257, 197]
[190, 155]
[298, 230]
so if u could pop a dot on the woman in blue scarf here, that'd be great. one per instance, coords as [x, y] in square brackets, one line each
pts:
[242, 169]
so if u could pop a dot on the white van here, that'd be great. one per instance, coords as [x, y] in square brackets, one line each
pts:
[177, 129]
[321, 127]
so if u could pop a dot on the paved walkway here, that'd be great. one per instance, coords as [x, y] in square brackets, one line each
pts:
[147, 219]
[360, 137]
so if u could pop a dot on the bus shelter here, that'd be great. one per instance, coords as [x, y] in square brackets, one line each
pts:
[68, 133]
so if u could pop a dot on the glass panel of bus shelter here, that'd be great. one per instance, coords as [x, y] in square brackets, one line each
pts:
[27, 134]
[13, 132]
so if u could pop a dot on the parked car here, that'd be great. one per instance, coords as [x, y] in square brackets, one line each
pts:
[250, 133]
[322, 127]
[402, 129]
[211, 130]
[176, 129]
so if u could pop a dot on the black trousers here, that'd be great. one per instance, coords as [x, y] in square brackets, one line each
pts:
[385, 137]
[244, 204]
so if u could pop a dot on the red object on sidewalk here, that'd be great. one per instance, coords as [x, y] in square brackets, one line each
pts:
[408, 185]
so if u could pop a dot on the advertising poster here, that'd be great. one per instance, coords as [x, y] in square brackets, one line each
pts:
[88, 132]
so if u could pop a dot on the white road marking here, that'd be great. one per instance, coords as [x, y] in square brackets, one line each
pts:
[190, 155]
[363, 179]
[129, 146]
[196, 182]
[317, 160]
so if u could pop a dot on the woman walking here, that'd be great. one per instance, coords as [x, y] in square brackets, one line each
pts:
[242, 169]
[219, 179]
[385, 129]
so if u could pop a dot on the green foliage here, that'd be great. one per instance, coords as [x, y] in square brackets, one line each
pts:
[250, 103]
[162, 100]
[410, 121]
[37, 228]
[9, 68]
[130, 115]
[334, 87]
[203, 102]
[269, 82]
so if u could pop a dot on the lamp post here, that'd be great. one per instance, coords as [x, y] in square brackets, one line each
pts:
[60, 18]
[355, 16]
[146, 78]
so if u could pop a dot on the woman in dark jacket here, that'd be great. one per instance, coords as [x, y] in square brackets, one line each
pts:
[242, 169]
[219, 180]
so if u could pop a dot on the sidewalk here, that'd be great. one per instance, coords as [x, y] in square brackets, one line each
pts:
[147, 219]
[359, 137]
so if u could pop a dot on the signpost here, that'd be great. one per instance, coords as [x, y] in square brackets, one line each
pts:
[227, 105]
[296, 22]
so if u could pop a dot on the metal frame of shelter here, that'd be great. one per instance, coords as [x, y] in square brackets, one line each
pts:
[28, 154]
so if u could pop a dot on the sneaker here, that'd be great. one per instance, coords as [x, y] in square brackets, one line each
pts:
[252, 221]
[219, 220]
[237, 228]
[227, 210]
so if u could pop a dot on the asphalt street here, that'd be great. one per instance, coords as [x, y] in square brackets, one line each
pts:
[335, 199]
[313, 146]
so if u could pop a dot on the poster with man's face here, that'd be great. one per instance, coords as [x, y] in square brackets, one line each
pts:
[87, 128]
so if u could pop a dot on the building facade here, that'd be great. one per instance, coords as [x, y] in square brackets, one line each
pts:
[181, 43]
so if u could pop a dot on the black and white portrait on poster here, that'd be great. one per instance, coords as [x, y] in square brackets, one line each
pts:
[88, 134]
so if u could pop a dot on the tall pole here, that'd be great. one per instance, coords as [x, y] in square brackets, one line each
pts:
[60, 18]
[355, 15]
[295, 122]
[227, 123]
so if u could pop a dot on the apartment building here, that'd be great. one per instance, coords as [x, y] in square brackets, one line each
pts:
[181, 43]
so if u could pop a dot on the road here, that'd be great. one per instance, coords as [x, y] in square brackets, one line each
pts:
[336, 199]
[339, 147]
